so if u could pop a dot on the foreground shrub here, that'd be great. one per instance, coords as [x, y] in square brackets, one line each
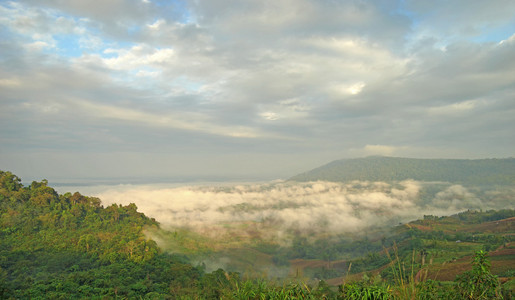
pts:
[478, 283]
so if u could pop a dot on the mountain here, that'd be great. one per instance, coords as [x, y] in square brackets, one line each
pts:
[378, 168]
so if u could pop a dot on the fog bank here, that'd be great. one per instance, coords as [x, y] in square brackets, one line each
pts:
[268, 211]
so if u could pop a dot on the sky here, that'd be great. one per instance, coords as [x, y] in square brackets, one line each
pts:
[253, 89]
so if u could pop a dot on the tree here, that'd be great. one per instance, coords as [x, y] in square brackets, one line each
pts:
[9, 181]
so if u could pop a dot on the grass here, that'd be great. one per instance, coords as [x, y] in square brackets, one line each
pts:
[404, 276]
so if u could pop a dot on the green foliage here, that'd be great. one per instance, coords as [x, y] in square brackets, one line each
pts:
[69, 246]
[331, 248]
[263, 289]
[478, 283]
[433, 290]
[362, 290]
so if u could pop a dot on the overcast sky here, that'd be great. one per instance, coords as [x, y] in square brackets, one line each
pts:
[250, 89]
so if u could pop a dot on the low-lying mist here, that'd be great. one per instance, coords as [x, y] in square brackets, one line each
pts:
[274, 212]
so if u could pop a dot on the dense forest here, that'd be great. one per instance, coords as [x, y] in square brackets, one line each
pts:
[378, 168]
[70, 246]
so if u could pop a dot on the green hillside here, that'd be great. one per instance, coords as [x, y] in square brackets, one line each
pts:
[71, 247]
[376, 168]
[437, 249]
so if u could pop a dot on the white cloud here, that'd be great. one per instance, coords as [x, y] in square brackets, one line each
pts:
[309, 207]
[10, 82]
[271, 116]
[144, 73]
[455, 108]
[356, 88]
[39, 45]
[509, 40]
[184, 121]
[350, 89]
[40, 24]
[138, 56]
[289, 110]
[157, 24]
[333, 76]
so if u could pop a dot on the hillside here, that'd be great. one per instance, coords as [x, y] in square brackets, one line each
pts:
[71, 247]
[438, 248]
[377, 168]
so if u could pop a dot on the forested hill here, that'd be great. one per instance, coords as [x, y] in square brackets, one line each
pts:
[378, 168]
[70, 247]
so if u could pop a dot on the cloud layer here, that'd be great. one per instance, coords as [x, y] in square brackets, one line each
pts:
[273, 211]
[261, 79]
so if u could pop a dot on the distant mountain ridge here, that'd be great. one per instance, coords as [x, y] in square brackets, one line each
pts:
[379, 168]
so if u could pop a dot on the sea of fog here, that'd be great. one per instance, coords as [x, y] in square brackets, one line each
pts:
[327, 207]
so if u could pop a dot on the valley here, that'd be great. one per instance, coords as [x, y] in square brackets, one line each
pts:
[314, 237]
